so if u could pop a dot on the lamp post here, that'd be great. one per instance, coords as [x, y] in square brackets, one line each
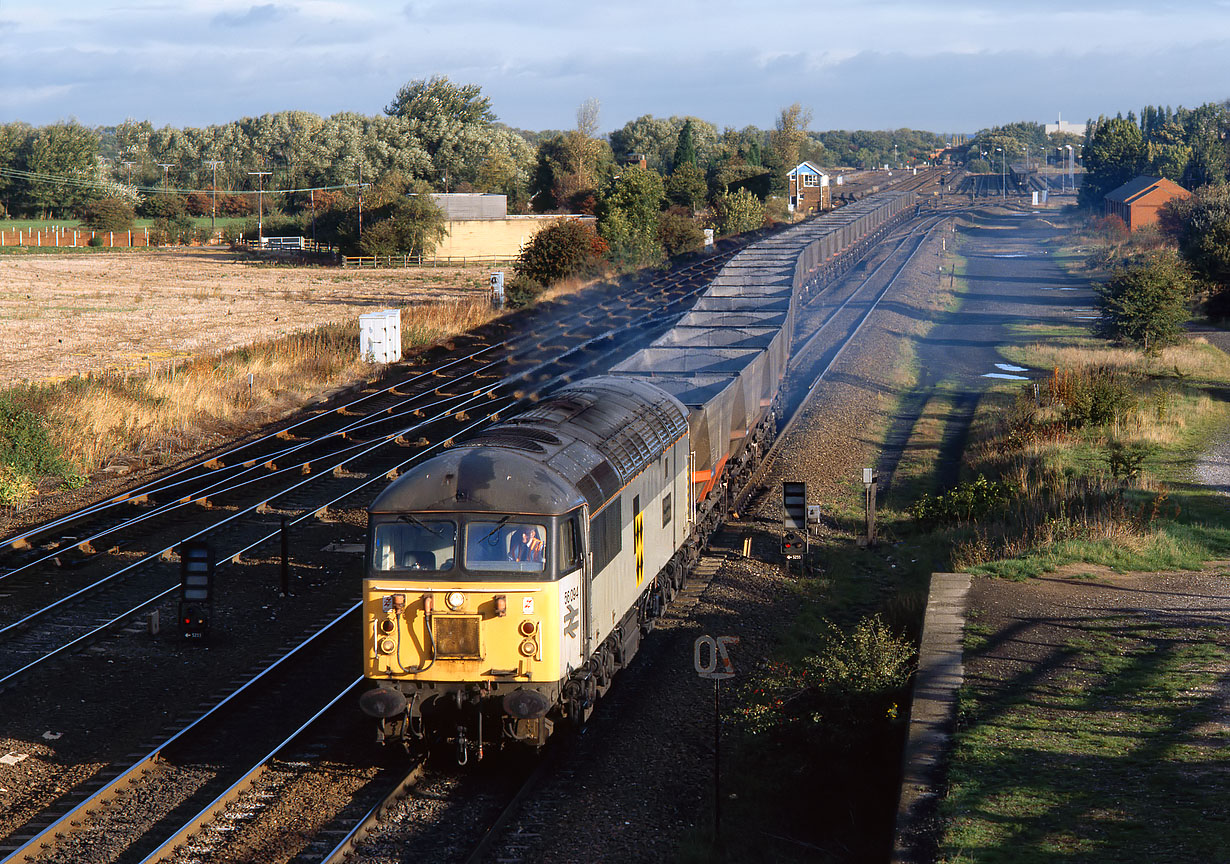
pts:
[1003, 193]
[260, 205]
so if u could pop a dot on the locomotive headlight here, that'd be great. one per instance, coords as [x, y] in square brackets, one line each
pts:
[386, 646]
[454, 600]
[526, 627]
[529, 647]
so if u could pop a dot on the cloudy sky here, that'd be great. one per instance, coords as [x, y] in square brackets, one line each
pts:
[945, 65]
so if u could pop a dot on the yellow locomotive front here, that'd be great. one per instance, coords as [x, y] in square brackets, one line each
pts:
[472, 600]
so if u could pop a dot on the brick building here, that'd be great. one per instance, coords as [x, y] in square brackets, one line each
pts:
[1136, 202]
[808, 189]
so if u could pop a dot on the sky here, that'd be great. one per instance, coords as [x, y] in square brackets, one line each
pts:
[943, 66]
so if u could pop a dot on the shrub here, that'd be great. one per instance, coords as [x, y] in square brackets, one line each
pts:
[95, 242]
[522, 291]
[109, 214]
[967, 502]
[1091, 397]
[1146, 302]
[737, 212]
[172, 230]
[837, 695]
[679, 233]
[562, 249]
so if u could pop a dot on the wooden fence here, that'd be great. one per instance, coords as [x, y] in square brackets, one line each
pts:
[70, 237]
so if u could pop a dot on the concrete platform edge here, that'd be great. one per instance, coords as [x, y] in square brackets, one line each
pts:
[941, 671]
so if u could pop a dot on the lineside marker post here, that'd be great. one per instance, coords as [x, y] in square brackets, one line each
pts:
[870, 479]
[716, 666]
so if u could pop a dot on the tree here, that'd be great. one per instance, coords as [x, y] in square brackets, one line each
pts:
[403, 223]
[785, 142]
[679, 233]
[561, 250]
[62, 155]
[628, 217]
[109, 214]
[685, 149]
[736, 212]
[1146, 302]
[1114, 155]
[1200, 226]
[425, 99]
[687, 187]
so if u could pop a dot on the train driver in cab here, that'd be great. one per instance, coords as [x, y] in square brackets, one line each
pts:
[526, 545]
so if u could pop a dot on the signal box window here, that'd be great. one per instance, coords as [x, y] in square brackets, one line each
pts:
[414, 544]
[519, 547]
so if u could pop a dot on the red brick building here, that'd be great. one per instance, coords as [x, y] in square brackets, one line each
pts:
[808, 188]
[1137, 201]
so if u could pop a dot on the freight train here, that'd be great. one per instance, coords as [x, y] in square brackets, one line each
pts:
[510, 577]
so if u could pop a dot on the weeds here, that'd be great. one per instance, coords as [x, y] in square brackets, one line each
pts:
[69, 430]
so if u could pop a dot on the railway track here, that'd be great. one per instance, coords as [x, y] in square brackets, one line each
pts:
[359, 429]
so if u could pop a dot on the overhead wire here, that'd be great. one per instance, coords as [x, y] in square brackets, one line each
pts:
[91, 183]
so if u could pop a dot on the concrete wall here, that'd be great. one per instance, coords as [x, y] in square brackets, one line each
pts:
[500, 238]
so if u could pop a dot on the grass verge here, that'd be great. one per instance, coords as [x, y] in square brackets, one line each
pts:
[1114, 749]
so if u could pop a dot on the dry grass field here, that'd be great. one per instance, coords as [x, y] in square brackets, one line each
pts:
[68, 314]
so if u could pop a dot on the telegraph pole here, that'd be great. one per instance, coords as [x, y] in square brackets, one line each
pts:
[213, 215]
[165, 166]
[260, 205]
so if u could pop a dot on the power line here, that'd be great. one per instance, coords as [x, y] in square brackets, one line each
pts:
[82, 182]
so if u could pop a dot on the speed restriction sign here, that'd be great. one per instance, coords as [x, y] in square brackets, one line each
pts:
[711, 659]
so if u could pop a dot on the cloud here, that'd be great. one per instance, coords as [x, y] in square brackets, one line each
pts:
[255, 16]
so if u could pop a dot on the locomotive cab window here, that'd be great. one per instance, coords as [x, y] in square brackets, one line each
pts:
[506, 546]
[569, 545]
[414, 544]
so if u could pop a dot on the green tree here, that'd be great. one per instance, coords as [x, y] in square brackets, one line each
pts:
[1146, 302]
[65, 158]
[1114, 155]
[561, 250]
[403, 223]
[685, 149]
[109, 214]
[678, 233]
[785, 142]
[687, 187]
[736, 212]
[628, 217]
[1200, 226]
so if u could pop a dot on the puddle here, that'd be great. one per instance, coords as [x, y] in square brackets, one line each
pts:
[1087, 317]
[1005, 376]
[1010, 255]
[1008, 367]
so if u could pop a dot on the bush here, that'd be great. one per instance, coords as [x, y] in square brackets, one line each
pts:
[967, 502]
[1146, 302]
[1092, 397]
[679, 233]
[562, 249]
[522, 291]
[95, 242]
[174, 230]
[109, 214]
[737, 212]
[837, 696]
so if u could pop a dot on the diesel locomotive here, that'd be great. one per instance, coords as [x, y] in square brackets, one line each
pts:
[511, 576]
